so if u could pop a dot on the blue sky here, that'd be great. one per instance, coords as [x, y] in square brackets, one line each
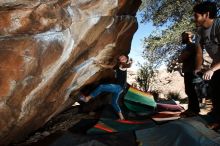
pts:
[144, 29]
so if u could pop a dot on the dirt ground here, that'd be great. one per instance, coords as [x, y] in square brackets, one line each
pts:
[71, 117]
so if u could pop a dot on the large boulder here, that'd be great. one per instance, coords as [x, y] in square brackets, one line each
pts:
[49, 49]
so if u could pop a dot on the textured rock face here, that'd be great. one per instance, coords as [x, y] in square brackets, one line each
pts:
[48, 50]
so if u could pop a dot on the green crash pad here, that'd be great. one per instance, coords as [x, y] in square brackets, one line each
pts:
[139, 101]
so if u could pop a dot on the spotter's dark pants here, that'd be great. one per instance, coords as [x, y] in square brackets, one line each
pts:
[215, 94]
[193, 102]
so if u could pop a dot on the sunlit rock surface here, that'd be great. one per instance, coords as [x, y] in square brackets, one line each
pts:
[48, 50]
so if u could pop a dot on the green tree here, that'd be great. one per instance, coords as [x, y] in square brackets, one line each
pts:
[144, 76]
[148, 70]
[171, 18]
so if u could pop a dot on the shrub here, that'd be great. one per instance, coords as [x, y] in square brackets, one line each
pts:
[155, 94]
[173, 95]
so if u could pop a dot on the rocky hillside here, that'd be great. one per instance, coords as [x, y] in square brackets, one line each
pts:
[164, 82]
[169, 82]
